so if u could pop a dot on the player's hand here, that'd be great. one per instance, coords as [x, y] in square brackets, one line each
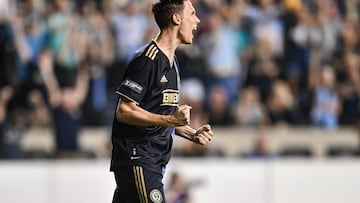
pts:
[203, 135]
[181, 116]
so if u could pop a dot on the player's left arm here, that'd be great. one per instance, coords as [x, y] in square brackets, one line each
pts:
[202, 135]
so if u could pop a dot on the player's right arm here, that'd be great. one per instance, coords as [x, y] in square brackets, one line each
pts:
[130, 113]
[140, 75]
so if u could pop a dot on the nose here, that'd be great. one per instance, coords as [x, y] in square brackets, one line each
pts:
[197, 20]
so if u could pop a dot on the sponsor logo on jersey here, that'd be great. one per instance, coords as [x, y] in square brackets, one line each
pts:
[164, 79]
[133, 85]
[170, 97]
[134, 157]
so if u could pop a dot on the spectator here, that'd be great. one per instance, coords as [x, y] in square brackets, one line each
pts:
[65, 74]
[330, 23]
[260, 149]
[5, 96]
[326, 103]
[281, 105]
[346, 64]
[8, 74]
[266, 24]
[219, 112]
[222, 55]
[31, 36]
[249, 110]
[177, 191]
[305, 36]
[12, 134]
[263, 71]
[129, 27]
[100, 54]
[193, 94]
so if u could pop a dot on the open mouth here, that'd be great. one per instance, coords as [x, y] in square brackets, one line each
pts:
[194, 29]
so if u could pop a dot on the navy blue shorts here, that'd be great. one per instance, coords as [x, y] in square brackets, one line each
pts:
[137, 185]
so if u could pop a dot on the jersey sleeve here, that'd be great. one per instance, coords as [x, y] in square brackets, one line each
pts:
[138, 77]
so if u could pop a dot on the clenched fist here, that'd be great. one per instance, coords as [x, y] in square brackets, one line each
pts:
[181, 116]
[203, 135]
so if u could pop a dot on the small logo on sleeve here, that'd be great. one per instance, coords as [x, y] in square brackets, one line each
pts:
[133, 85]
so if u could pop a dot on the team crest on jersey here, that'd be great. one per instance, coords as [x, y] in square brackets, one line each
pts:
[156, 196]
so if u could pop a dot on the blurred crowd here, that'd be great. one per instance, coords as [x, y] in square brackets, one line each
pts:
[254, 63]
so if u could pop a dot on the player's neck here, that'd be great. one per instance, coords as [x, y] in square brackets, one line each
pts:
[167, 42]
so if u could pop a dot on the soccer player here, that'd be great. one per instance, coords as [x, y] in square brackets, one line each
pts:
[148, 112]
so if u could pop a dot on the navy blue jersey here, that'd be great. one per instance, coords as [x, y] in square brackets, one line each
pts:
[153, 84]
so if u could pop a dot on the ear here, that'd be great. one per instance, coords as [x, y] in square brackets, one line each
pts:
[176, 19]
